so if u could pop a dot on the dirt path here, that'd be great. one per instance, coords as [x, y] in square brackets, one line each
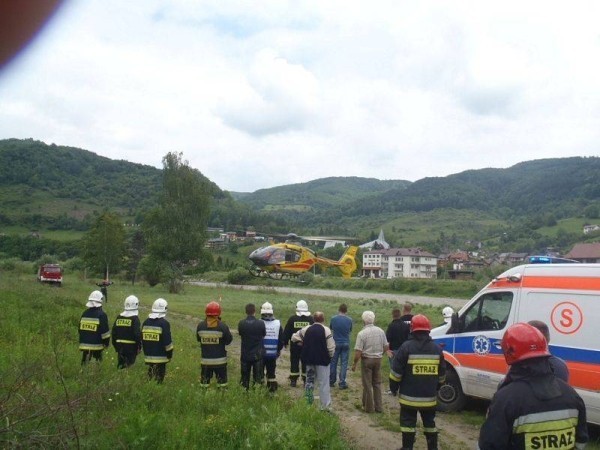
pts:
[400, 298]
[363, 431]
[375, 431]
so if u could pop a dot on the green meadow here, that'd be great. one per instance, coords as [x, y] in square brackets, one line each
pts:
[48, 400]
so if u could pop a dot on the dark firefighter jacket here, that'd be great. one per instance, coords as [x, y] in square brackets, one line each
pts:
[294, 324]
[419, 368]
[252, 333]
[156, 340]
[94, 333]
[534, 410]
[127, 335]
[213, 336]
[398, 330]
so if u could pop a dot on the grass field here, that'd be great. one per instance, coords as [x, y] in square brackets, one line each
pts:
[47, 400]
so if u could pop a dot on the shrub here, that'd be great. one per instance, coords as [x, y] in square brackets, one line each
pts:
[239, 276]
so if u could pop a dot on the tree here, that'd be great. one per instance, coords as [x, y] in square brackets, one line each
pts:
[176, 229]
[104, 244]
[136, 253]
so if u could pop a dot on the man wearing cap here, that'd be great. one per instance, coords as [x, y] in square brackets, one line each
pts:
[127, 335]
[94, 333]
[371, 345]
[273, 343]
[532, 409]
[295, 323]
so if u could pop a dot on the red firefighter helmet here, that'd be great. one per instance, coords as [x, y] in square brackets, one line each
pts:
[420, 323]
[213, 309]
[523, 341]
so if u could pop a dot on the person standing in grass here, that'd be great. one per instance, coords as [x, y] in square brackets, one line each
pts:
[126, 335]
[273, 343]
[295, 323]
[156, 341]
[213, 335]
[94, 333]
[397, 332]
[418, 368]
[103, 285]
[318, 347]
[252, 332]
[371, 345]
[341, 326]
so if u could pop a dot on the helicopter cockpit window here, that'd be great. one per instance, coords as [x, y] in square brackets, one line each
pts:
[277, 257]
[291, 256]
[490, 312]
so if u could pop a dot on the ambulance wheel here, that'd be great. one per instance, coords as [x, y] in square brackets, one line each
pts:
[450, 395]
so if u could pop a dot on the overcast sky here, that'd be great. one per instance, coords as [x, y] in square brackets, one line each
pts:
[268, 93]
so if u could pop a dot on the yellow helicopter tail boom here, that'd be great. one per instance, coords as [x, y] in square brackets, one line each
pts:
[348, 262]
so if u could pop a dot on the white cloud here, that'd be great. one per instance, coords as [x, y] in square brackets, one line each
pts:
[277, 92]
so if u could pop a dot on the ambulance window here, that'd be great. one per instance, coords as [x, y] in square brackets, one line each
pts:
[489, 312]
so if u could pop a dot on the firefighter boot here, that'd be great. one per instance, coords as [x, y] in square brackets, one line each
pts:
[432, 441]
[408, 440]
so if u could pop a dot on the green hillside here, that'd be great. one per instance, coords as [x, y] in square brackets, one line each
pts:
[55, 187]
[528, 207]
[319, 194]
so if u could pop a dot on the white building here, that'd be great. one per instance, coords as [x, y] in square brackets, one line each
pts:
[399, 263]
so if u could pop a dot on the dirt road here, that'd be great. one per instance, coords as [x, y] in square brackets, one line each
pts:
[379, 431]
[400, 298]
[368, 431]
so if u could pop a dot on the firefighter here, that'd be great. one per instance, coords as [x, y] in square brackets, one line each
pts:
[301, 319]
[213, 335]
[94, 333]
[156, 341]
[532, 408]
[419, 369]
[447, 313]
[273, 342]
[126, 334]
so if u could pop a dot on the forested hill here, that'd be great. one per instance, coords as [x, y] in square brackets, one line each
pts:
[319, 194]
[40, 182]
[51, 180]
[525, 188]
[67, 172]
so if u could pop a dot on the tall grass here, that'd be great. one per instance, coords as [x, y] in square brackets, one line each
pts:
[47, 400]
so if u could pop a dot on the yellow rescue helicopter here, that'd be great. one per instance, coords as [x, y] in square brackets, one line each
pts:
[291, 259]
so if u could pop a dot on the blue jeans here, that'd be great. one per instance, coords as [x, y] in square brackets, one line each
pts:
[342, 352]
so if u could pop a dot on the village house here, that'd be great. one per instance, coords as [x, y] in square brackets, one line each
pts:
[585, 252]
[399, 263]
[590, 228]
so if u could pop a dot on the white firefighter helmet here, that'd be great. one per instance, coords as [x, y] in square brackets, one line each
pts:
[131, 306]
[302, 308]
[447, 313]
[95, 299]
[159, 308]
[266, 308]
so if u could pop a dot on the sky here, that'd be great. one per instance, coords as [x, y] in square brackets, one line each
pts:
[270, 93]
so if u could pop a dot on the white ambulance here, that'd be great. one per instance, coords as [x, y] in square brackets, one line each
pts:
[564, 296]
